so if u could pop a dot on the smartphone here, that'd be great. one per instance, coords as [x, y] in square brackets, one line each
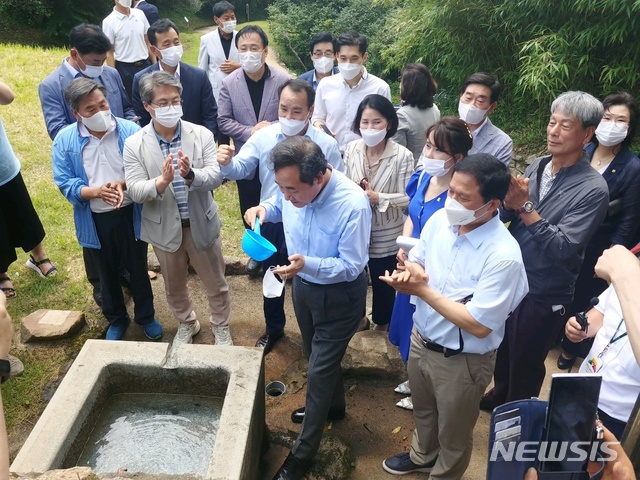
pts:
[570, 422]
[326, 130]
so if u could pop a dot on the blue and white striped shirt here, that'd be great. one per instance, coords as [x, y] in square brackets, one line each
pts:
[179, 185]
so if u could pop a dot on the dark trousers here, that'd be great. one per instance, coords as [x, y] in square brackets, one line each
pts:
[248, 194]
[384, 295]
[128, 70]
[273, 308]
[614, 425]
[118, 244]
[328, 316]
[529, 333]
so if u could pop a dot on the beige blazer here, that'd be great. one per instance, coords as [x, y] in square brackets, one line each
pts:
[161, 224]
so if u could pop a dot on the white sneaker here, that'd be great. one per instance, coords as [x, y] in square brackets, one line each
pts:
[17, 367]
[185, 332]
[223, 336]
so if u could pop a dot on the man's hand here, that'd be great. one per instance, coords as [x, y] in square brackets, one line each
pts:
[184, 165]
[401, 257]
[518, 193]
[374, 197]
[229, 66]
[295, 267]
[110, 194]
[260, 125]
[225, 153]
[258, 212]
[412, 281]
[573, 331]
[616, 262]
[120, 186]
[163, 181]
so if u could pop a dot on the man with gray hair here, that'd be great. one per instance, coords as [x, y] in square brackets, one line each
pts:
[554, 210]
[171, 168]
[89, 171]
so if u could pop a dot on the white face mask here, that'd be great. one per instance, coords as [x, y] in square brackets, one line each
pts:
[373, 137]
[611, 133]
[89, 70]
[251, 62]
[172, 55]
[433, 166]
[98, 122]
[229, 27]
[458, 214]
[349, 71]
[271, 286]
[471, 114]
[323, 64]
[125, 3]
[168, 116]
[291, 126]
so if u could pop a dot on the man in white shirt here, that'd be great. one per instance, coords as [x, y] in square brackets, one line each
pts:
[218, 55]
[338, 96]
[294, 111]
[126, 29]
[478, 99]
[467, 274]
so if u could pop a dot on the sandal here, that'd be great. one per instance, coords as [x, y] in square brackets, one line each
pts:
[9, 292]
[35, 266]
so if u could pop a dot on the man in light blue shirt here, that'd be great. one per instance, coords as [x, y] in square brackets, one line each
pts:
[467, 274]
[327, 225]
[294, 110]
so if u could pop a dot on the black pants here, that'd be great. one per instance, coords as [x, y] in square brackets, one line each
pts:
[384, 295]
[328, 316]
[529, 333]
[248, 194]
[128, 70]
[118, 244]
[274, 307]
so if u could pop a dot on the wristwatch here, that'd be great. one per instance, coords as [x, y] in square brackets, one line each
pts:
[5, 370]
[526, 208]
[190, 175]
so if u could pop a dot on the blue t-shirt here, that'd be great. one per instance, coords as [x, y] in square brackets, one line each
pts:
[419, 210]
[9, 163]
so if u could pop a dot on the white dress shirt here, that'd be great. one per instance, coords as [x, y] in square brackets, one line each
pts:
[126, 33]
[337, 103]
[485, 263]
[103, 163]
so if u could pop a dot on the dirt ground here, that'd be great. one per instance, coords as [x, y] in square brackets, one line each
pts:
[372, 417]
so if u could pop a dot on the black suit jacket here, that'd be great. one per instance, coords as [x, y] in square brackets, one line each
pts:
[198, 104]
[150, 11]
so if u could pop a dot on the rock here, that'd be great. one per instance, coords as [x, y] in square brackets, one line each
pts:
[152, 262]
[50, 325]
[370, 353]
[75, 473]
[235, 266]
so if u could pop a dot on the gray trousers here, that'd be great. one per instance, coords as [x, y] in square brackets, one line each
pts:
[328, 316]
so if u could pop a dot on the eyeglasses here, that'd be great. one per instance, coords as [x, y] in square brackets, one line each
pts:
[175, 103]
[319, 53]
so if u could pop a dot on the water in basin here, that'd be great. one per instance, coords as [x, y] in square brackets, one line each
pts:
[154, 433]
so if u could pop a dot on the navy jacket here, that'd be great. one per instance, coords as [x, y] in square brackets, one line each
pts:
[198, 105]
[308, 76]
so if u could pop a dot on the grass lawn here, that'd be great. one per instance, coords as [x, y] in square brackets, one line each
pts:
[23, 68]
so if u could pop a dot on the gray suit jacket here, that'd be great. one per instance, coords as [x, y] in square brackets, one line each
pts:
[236, 117]
[161, 224]
[490, 139]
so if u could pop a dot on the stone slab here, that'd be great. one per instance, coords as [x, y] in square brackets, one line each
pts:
[50, 325]
[370, 353]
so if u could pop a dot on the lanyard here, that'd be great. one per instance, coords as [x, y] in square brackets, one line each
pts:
[614, 339]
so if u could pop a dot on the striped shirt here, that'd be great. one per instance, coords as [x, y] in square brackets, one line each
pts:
[179, 185]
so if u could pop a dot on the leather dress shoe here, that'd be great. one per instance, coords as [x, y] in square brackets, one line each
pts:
[297, 416]
[292, 468]
[566, 363]
[253, 267]
[267, 341]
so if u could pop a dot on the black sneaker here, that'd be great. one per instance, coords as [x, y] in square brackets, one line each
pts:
[401, 464]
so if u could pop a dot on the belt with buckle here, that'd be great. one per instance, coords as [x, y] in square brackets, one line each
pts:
[436, 347]
[137, 63]
[307, 282]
